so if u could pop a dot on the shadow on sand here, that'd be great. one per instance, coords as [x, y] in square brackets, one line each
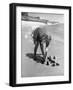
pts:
[38, 58]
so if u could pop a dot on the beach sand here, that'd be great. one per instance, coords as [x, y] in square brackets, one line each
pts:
[29, 67]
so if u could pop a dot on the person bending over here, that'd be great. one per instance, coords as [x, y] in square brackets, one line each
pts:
[41, 38]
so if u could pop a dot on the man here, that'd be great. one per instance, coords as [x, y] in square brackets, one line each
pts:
[41, 38]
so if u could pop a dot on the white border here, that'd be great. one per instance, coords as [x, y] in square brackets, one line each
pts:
[20, 80]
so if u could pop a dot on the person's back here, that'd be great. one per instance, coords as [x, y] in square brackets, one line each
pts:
[40, 34]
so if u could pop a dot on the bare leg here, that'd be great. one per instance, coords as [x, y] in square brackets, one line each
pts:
[42, 46]
[45, 53]
[35, 48]
[42, 50]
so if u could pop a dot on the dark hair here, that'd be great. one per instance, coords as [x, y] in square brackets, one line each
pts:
[48, 41]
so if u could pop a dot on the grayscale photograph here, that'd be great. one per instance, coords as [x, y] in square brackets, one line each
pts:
[42, 44]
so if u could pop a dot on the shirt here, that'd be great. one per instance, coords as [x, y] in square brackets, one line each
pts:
[40, 34]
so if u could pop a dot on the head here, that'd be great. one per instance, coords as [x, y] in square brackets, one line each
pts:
[46, 44]
[49, 38]
[48, 41]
